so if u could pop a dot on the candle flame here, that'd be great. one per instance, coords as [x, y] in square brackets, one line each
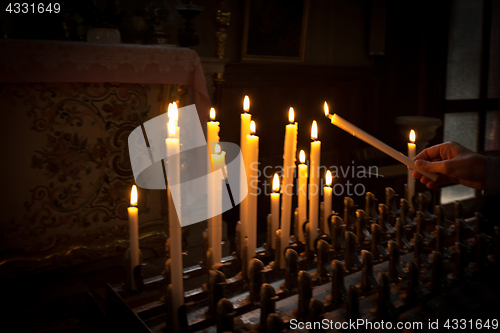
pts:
[217, 149]
[412, 136]
[252, 127]
[291, 115]
[314, 130]
[212, 114]
[171, 128]
[327, 111]
[276, 183]
[246, 104]
[133, 196]
[302, 157]
[328, 178]
[173, 114]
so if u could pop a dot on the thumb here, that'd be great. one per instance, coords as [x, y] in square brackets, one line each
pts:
[436, 167]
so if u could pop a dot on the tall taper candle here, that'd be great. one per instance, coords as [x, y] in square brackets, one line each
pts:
[253, 189]
[411, 181]
[287, 185]
[275, 207]
[327, 199]
[215, 204]
[244, 132]
[314, 187]
[302, 195]
[133, 222]
[174, 218]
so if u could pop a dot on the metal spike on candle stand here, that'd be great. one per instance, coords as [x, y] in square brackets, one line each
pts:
[291, 270]
[400, 235]
[277, 253]
[461, 230]
[352, 304]
[395, 270]
[270, 233]
[256, 279]
[414, 292]
[459, 209]
[368, 282]
[275, 324]
[438, 277]
[371, 203]
[322, 258]
[267, 304]
[377, 249]
[383, 222]
[225, 316]
[337, 231]
[441, 219]
[338, 291]
[216, 291]
[305, 294]
[244, 260]
[405, 213]
[440, 245]
[362, 233]
[316, 312]
[391, 200]
[349, 213]
[423, 204]
[419, 256]
[307, 235]
[421, 221]
[351, 259]
[296, 225]
[385, 306]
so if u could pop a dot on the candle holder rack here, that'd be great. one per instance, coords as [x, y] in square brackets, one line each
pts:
[386, 262]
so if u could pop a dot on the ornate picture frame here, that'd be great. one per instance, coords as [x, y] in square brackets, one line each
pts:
[275, 30]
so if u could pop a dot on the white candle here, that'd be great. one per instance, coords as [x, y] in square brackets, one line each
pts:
[213, 129]
[275, 208]
[287, 185]
[360, 134]
[133, 222]
[314, 185]
[327, 199]
[173, 174]
[411, 181]
[302, 195]
[215, 204]
[244, 132]
[253, 181]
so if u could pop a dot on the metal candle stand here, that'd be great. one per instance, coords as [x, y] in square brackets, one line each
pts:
[364, 268]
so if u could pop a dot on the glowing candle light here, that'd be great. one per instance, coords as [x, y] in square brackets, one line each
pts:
[287, 185]
[411, 154]
[215, 185]
[133, 222]
[275, 207]
[314, 185]
[302, 195]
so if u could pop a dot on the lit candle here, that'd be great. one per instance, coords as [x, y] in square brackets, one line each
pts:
[253, 181]
[215, 203]
[174, 218]
[212, 131]
[302, 195]
[314, 185]
[287, 185]
[362, 135]
[411, 181]
[275, 207]
[246, 117]
[327, 199]
[133, 222]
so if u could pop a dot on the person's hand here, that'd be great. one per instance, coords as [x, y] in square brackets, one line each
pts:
[453, 163]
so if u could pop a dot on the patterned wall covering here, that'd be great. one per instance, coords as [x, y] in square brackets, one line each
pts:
[66, 174]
